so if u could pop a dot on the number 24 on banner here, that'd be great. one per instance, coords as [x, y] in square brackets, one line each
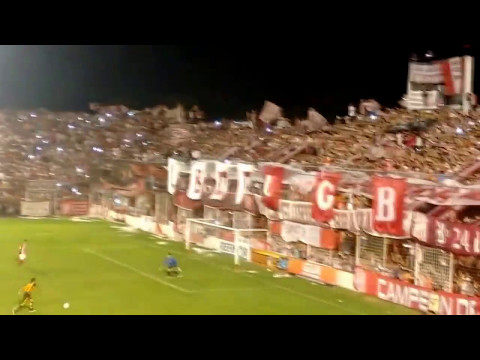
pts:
[324, 196]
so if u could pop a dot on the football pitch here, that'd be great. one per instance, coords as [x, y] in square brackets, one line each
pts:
[102, 268]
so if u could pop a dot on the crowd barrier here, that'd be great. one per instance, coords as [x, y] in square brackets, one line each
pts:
[305, 269]
[414, 297]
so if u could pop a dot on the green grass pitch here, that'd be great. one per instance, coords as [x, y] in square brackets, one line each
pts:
[100, 269]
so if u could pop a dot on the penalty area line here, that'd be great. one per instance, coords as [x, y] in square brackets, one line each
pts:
[139, 272]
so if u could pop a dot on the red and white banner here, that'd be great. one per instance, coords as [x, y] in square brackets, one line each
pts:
[74, 208]
[414, 297]
[272, 187]
[457, 238]
[449, 72]
[323, 201]
[244, 179]
[388, 204]
[221, 181]
[197, 178]
[270, 112]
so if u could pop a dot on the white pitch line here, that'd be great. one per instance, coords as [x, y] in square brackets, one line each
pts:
[313, 298]
[306, 296]
[226, 290]
[131, 268]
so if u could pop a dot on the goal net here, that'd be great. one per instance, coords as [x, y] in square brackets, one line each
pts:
[208, 235]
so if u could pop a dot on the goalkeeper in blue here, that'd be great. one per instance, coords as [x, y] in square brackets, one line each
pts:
[172, 267]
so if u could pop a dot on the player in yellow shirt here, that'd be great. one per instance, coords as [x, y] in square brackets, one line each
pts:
[27, 300]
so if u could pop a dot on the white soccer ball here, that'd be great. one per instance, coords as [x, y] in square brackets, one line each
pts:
[66, 305]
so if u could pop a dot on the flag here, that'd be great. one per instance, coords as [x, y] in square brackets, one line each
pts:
[272, 187]
[270, 112]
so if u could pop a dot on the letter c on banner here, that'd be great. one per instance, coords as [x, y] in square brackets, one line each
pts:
[267, 185]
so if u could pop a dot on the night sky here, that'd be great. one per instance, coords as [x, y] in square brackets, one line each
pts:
[225, 81]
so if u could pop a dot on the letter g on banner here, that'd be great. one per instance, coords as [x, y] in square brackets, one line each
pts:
[323, 199]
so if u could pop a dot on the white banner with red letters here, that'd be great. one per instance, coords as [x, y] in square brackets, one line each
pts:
[174, 169]
[388, 203]
[197, 178]
[244, 179]
[221, 181]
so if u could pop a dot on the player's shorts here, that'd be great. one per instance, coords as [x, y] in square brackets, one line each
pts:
[22, 257]
[26, 297]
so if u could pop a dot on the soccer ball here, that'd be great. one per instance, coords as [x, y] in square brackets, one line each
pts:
[66, 305]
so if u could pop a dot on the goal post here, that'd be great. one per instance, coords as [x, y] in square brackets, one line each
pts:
[209, 235]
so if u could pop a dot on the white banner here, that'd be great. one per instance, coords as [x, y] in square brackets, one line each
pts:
[307, 234]
[197, 178]
[242, 247]
[174, 169]
[221, 181]
[426, 73]
[244, 179]
[36, 209]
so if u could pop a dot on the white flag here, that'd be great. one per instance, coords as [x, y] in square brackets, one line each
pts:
[244, 179]
[197, 178]
[270, 112]
[316, 118]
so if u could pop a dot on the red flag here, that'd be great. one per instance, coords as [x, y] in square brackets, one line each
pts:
[388, 201]
[323, 198]
[272, 187]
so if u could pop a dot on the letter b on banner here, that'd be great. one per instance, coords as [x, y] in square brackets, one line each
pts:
[386, 204]
[388, 200]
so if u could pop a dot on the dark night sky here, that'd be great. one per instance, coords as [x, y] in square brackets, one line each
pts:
[225, 81]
